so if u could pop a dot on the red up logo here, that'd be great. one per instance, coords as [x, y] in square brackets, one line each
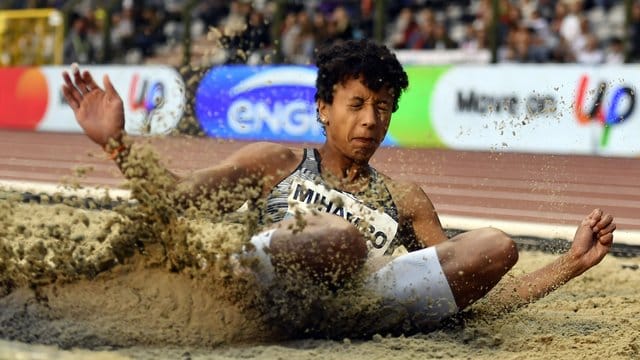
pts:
[609, 114]
[146, 95]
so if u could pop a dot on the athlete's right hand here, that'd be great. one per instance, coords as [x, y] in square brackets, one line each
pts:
[99, 112]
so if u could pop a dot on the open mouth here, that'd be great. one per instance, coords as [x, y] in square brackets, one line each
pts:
[364, 140]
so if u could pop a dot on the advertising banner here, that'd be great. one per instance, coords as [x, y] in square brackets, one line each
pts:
[31, 98]
[567, 109]
[273, 103]
[534, 108]
[276, 103]
[443, 56]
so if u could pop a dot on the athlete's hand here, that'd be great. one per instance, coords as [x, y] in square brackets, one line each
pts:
[99, 112]
[592, 241]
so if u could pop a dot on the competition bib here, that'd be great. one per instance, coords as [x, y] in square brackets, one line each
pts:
[379, 228]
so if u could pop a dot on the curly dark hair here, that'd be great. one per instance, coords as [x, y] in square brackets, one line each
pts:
[375, 64]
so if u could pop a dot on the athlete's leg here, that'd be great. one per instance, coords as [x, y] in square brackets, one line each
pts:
[474, 262]
[413, 288]
[325, 247]
[434, 283]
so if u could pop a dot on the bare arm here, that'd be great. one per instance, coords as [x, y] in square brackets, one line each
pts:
[418, 214]
[240, 177]
[245, 175]
[592, 241]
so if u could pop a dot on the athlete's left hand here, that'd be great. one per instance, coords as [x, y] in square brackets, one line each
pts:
[592, 241]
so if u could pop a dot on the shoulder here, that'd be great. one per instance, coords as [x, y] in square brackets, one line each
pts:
[405, 192]
[408, 196]
[400, 189]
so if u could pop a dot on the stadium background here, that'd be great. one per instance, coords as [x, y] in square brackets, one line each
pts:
[540, 97]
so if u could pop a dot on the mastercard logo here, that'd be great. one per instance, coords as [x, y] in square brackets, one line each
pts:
[24, 96]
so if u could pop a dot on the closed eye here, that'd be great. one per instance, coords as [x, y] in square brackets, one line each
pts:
[383, 107]
[356, 105]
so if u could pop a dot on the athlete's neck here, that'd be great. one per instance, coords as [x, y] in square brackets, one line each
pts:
[342, 167]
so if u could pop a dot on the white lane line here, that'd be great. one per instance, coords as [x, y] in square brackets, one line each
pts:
[50, 188]
[522, 228]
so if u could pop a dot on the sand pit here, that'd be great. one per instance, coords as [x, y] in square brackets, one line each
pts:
[76, 288]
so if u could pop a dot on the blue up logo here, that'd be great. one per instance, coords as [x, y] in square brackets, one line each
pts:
[272, 103]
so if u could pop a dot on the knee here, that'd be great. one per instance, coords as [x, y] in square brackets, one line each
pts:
[337, 236]
[333, 250]
[502, 247]
[347, 237]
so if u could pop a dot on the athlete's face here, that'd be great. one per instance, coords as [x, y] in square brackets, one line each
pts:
[358, 120]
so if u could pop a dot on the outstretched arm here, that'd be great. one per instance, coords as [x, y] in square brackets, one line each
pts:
[475, 261]
[592, 241]
[100, 113]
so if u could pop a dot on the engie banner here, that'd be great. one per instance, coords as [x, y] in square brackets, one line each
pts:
[273, 103]
[31, 98]
[276, 103]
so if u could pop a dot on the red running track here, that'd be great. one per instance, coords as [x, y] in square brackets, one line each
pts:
[553, 189]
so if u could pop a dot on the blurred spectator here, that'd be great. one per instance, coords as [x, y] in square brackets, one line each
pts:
[570, 27]
[615, 52]
[320, 29]
[252, 42]
[635, 31]
[77, 47]
[364, 28]
[290, 31]
[148, 30]
[529, 30]
[538, 24]
[403, 26]
[590, 54]
[510, 20]
[528, 7]
[235, 21]
[423, 36]
[560, 50]
[441, 39]
[517, 47]
[212, 11]
[303, 41]
[475, 37]
[547, 9]
[122, 30]
[339, 25]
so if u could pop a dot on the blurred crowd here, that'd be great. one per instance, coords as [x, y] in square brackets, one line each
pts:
[529, 31]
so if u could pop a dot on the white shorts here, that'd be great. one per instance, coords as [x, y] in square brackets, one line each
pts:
[416, 283]
[413, 283]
